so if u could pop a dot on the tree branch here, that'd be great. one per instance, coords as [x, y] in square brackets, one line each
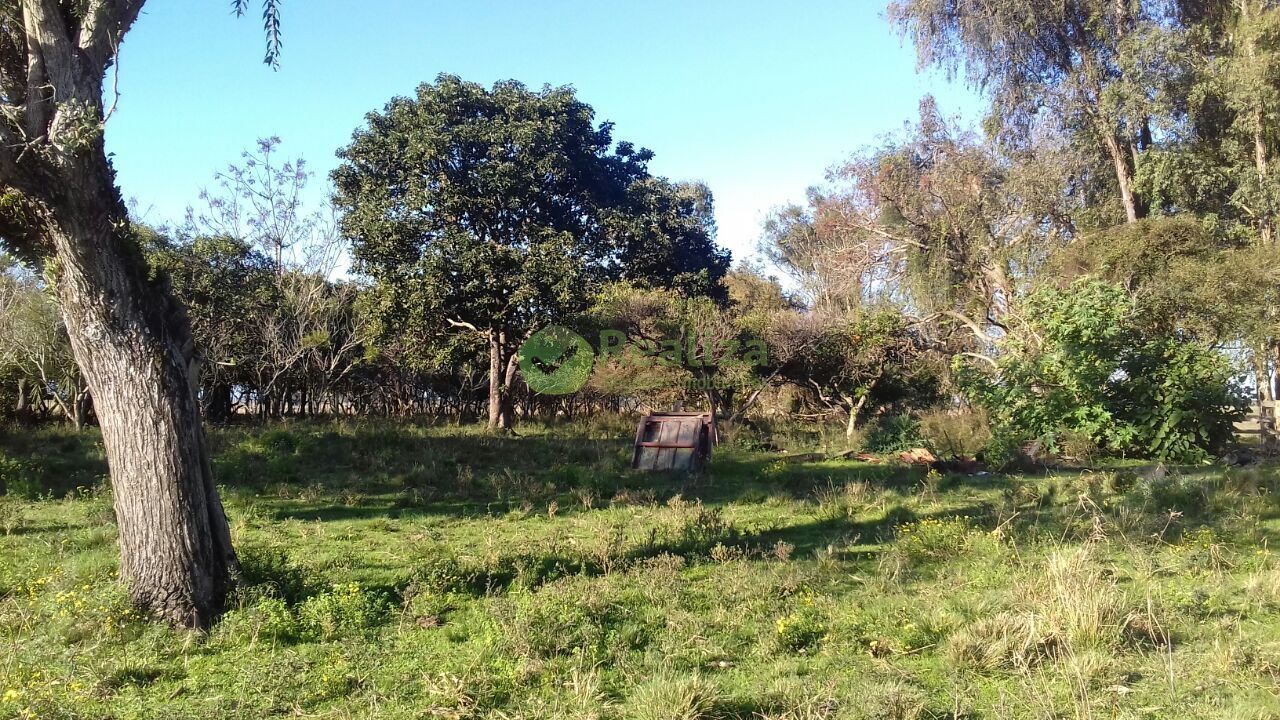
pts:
[464, 325]
[105, 22]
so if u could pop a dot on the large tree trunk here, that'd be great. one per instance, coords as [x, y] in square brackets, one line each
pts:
[219, 402]
[1266, 219]
[133, 343]
[130, 339]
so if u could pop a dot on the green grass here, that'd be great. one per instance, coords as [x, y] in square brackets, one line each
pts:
[439, 572]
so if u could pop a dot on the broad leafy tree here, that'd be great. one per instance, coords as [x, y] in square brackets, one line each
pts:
[493, 211]
[225, 285]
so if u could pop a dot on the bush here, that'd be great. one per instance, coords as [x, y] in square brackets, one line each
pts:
[948, 432]
[893, 433]
[345, 610]
[19, 479]
[1089, 368]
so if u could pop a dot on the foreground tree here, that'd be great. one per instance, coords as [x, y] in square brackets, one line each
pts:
[60, 208]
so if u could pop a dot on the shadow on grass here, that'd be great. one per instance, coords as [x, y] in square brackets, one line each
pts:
[50, 461]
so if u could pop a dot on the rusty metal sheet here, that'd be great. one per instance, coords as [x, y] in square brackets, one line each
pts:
[673, 442]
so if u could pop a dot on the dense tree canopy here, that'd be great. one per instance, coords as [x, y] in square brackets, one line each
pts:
[497, 210]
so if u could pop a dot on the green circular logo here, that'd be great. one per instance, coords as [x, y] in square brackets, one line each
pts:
[556, 361]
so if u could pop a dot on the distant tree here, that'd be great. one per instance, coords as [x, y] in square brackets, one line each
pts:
[1106, 71]
[224, 283]
[848, 362]
[935, 222]
[35, 350]
[302, 332]
[496, 211]
[260, 202]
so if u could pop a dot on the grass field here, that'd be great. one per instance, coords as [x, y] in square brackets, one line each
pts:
[405, 572]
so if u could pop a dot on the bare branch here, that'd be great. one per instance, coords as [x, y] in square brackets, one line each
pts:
[464, 325]
[983, 358]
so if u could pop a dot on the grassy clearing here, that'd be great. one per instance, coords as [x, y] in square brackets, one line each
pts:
[406, 572]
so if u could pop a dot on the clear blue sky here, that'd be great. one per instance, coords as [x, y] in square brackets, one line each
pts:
[755, 97]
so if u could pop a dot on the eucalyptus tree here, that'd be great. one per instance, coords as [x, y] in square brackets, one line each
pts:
[1226, 165]
[936, 222]
[1106, 71]
[60, 207]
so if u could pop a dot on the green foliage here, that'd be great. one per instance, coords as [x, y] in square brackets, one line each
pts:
[955, 431]
[1181, 398]
[504, 208]
[893, 433]
[933, 540]
[272, 573]
[801, 629]
[1086, 365]
[346, 609]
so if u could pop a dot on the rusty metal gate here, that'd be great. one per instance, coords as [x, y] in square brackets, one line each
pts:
[673, 441]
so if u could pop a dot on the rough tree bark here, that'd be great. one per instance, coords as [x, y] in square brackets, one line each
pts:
[131, 340]
[502, 374]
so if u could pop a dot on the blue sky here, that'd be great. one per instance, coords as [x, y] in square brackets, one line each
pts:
[756, 98]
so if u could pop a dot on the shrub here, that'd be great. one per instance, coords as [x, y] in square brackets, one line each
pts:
[19, 479]
[10, 515]
[893, 433]
[1080, 599]
[346, 609]
[547, 625]
[949, 432]
[698, 529]
[1089, 366]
